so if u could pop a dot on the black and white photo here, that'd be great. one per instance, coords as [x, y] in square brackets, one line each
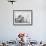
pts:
[22, 17]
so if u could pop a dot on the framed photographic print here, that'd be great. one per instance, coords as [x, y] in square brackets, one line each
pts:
[22, 17]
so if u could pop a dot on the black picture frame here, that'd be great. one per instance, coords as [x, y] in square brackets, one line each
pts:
[22, 12]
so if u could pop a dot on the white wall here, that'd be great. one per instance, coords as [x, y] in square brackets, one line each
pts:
[38, 30]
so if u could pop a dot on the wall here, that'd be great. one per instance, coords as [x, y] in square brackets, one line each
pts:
[38, 30]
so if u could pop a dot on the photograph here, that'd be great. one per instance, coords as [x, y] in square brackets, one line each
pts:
[22, 17]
